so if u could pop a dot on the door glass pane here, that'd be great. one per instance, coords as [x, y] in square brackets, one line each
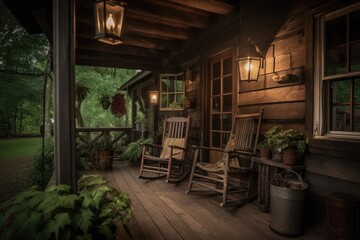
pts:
[216, 104]
[341, 91]
[227, 66]
[227, 84]
[227, 103]
[215, 122]
[341, 118]
[357, 90]
[215, 139]
[226, 123]
[357, 118]
[225, 138]
[354, 32]
[355, 57]
[216, 70]
[216, 87]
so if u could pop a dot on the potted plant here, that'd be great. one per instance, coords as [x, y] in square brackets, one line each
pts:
[267, 146]
[187, 103]
[56, 213]
[106, 152]
[291, 144]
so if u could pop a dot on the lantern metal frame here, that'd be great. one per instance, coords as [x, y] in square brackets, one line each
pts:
[249, 63]
[153, 97]
[109, 18]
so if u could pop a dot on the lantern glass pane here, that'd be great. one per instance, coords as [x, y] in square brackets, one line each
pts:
[99, 18]
[114, 18]
[244, 69]
[254, 69]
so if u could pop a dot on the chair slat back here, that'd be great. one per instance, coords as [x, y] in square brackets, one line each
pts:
[246, 130]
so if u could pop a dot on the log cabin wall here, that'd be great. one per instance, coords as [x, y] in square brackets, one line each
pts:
[284, 88]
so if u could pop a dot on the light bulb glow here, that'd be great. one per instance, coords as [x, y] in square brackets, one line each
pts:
[110, 24]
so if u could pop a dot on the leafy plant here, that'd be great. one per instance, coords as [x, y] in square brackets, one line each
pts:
[58, 214]
[133, 150]
[105, 101]
[268, 141]
[289, 139]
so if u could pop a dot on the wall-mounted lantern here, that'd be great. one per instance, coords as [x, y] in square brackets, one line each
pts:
[153, 97]
[249, 62]
[109, 16]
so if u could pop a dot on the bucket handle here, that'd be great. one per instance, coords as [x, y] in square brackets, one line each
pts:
[293, 172]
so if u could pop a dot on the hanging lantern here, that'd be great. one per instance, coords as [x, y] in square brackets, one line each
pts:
[249, 63]
[109, 17]
[153, 97]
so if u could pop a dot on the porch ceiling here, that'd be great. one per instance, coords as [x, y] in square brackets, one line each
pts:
[154, 33]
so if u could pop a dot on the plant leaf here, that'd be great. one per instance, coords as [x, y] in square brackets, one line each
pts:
[84, 220]
[60, 221]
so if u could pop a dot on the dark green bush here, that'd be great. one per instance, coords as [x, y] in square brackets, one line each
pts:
[43, 169]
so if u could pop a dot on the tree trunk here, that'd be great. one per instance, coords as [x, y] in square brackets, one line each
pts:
[48, 96]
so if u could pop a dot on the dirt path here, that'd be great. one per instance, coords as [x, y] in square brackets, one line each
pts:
[14, 177]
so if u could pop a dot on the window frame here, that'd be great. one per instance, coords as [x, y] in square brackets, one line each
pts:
[162, 92]
[321, 92]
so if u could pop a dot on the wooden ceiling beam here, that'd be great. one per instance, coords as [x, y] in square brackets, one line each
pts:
[88, 32]
[212, 6]
[94, 45]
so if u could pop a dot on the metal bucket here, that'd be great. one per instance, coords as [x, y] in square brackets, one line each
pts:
[287, 200]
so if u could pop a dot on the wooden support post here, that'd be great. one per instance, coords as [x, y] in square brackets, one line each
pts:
[64, 62]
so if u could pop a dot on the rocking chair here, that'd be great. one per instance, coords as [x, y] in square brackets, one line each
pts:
[171, 160]
[233, 172]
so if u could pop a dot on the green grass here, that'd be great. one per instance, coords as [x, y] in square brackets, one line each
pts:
[18, 148]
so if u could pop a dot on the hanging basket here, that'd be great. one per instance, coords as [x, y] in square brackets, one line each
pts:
[118, 105]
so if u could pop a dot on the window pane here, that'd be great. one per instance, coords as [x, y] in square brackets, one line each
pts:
[164, 85]
[355, 57]
[341, 118]
[226, 124]
[216, 104]
[341, 91]
[216, 87]
[335, 46]
[172, 86]
[335, 61]
[179, 86]
[215, 139]
[227, 66]
[227, 85]
[357, 90]
[164, 102]
[227, 103]
[354, 26]
[215, 122]
[171, 98]
[179, 97]
[357, 118]
[216, 70]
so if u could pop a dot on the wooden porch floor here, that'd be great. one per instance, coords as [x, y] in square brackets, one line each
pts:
[163, 211]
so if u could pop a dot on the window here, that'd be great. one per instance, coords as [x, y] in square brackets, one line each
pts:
[337, 56]
[172, 91]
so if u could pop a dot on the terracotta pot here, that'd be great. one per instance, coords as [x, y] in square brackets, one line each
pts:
[107, 159]
[265, 153]
[187, 104]
[291, 157]
[276, 156]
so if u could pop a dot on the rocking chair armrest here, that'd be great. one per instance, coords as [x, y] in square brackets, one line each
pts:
[151, 145]
[237, 153]
[177, 147]
[210, 148]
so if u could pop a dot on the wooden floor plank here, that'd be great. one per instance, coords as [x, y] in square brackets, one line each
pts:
[164, 211]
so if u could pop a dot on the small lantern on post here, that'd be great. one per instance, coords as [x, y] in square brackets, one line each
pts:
[153, 97]
[249, 63]
[109, 16]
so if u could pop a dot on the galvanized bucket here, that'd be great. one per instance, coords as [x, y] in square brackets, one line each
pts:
[287, 200]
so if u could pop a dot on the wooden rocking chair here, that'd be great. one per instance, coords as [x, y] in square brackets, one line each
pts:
[233, 172]
[171, 160]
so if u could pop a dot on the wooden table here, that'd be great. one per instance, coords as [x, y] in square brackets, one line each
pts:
[267, 169]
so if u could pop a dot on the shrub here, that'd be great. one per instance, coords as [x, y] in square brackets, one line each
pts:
[57, 214]
[43, 169]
